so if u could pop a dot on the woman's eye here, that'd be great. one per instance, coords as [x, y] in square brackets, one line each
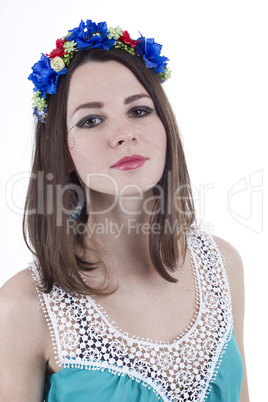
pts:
[140, 111]
[89, 122]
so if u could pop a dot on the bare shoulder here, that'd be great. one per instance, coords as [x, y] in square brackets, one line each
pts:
[22, 340]
[22, 279]
[233, 261]
[18, 293]
[20, 309]
[235, 274]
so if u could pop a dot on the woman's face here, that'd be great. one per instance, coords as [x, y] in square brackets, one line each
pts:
[112, 117]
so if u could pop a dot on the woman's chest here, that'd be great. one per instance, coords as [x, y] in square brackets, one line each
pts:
[143, 313]
[154, 309]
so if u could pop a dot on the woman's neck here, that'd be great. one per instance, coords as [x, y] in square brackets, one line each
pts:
[123, 232]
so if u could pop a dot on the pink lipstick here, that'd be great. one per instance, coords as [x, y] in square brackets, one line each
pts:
[130, 162]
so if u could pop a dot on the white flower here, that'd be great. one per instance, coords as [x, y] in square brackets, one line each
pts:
[57, 64]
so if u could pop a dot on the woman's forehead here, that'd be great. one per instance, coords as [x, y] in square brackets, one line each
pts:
[102, 73]
[102, 81]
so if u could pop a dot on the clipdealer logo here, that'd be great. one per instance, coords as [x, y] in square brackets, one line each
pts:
[245, 198]
[245, 201]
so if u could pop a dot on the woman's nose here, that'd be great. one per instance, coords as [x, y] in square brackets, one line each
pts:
[123, 134]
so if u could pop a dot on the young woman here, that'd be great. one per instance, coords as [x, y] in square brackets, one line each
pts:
[125, 300]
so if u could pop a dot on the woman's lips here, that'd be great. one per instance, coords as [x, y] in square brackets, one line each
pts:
[130, 162]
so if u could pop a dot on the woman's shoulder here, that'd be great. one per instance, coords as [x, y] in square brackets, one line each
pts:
[235, 273]
[19, 287]
[230, 255]
[22, 321]
[23, 340]
[232, 258]
[19, 298]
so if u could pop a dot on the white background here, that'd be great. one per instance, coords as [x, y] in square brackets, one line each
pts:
[219, 91]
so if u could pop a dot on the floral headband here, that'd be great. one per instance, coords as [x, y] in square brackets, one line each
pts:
[89, 35]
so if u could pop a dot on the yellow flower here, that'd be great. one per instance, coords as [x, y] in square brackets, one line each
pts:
[57, 64]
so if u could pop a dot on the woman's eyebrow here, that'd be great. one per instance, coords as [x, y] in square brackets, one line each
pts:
[90, 105]
[99, 105]
[133, 98]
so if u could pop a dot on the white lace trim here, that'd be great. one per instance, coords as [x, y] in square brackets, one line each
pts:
[190, 327]
[183, 370]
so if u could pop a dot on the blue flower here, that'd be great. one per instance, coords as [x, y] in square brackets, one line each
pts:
[41, 114]
[91, 35]
[44, 78]
[150, 51]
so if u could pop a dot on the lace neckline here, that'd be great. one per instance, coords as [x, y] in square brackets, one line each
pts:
[84, 337]
[150, 342]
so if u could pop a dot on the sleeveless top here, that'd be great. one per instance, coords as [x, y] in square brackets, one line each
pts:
[101, 363]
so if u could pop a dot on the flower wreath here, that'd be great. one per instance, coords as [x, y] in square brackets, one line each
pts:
[89, 35]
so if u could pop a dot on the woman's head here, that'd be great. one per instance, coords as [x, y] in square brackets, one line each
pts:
[55, 154]
[111, 116]
[58, 140]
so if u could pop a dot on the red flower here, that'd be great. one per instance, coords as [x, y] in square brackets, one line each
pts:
[59, 51]
[126, 38]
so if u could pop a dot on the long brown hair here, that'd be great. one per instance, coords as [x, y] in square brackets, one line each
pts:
[45, 224]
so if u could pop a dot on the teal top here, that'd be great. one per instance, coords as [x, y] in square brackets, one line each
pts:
[101, 363]
[81, 385]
